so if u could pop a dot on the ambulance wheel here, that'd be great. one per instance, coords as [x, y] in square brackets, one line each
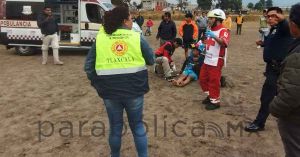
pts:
[24, 50]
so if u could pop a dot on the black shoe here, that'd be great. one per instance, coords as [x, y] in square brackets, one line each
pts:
[252, 127]
[206, 101]
[212, 106]
[223, 81]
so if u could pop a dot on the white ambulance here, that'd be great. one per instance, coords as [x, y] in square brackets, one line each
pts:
[78, 20]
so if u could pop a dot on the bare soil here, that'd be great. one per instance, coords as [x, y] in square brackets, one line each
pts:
[40, 105]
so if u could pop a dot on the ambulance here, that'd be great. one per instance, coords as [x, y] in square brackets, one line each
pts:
[78, 20]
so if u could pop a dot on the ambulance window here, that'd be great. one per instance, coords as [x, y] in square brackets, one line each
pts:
[94, 13]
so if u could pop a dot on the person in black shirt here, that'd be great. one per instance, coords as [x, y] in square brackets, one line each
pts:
[49, 29]
[275, 50]
[140, 20]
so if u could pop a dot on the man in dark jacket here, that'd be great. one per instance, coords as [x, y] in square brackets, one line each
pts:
[49, 29]
[286, 105]
[140, 20]
[275, 50]
[166, 30]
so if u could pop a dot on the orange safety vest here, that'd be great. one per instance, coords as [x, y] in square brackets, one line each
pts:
[239, 20]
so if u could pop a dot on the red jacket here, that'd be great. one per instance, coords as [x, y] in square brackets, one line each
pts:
[149, 23]
[162, 51]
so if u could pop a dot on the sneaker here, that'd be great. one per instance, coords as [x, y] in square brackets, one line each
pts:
[206, 101]
[212, 106]
[252, 127]
[58, 63]
[44, 62]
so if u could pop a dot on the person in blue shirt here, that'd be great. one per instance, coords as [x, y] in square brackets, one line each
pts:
[191, 67]
[275, 50]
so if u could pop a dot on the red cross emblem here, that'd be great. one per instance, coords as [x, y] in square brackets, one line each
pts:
[210, 42]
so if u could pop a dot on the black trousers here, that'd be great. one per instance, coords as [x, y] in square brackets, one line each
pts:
[269, 91]
[239, 29]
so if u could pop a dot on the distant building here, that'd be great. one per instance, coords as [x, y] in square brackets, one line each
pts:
[191, 6]
[155, 4]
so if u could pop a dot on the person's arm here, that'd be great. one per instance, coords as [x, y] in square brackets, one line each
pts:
[168, 52]
[195, 35]
[223, 39]
[181, 29]
[229, 23]
[260, 22]
[89, 66]
[174, 30]
[287, 99]
[143, 20]
[57, 27]
[159, 31]
[147, 51]
[184, 64]
[242, 19]
[42, 21]
[283, 27]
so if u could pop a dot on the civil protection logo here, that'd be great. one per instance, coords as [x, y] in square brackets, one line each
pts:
[119, 48]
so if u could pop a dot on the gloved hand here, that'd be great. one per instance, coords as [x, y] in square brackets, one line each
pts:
[201, 47]
[210, 34]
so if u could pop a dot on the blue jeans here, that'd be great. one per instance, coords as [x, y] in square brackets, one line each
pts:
[134, 110]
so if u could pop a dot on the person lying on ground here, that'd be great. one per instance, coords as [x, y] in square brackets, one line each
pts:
[191, 68]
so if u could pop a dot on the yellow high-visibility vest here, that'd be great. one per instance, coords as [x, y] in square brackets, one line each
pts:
[118, 53]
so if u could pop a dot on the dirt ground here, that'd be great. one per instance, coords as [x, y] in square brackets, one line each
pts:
[52, 111]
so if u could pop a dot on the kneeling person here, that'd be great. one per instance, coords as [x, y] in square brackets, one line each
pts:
[164, 57]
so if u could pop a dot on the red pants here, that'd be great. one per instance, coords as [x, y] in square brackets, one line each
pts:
[210, 80]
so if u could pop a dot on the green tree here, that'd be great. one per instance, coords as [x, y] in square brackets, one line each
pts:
[250, 5]
[269, 3]
[237, 4]
[224, 4]
[230, 4]
[259, 6]
[204, 4]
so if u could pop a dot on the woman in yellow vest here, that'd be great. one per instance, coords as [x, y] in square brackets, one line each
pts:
[227, 23]
[239, 22]
[116, 66]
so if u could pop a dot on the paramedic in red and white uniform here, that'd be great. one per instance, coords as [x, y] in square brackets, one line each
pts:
[215, 57]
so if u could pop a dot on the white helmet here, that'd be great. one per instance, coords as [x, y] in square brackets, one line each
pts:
[217, 13]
